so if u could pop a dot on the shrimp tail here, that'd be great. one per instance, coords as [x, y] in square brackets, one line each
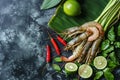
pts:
[76, 52]
[71, 58]
[63, 58]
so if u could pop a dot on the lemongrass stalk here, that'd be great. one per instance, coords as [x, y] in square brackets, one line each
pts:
[110, 14]
[110, 3]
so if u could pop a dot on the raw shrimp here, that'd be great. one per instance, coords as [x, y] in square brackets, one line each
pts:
[89, 26]
[85, 51]
[76, 40]
[76, 53]
[99, 26]
[94, 49]
[92, 24]
[70, 31]
[89, 31]
[75, 30]
[79, 29]
[95, 33]
[88, 54]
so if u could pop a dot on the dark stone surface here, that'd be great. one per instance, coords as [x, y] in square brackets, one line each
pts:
[22, 45]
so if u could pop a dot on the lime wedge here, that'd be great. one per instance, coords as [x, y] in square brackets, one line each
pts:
[100, 62]
[71, 67]
[85, 71]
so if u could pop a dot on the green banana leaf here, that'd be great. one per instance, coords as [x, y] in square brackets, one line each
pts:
[91, 9]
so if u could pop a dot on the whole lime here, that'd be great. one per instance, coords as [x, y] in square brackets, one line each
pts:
[72, 8]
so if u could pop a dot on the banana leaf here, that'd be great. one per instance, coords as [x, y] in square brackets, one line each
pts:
[91, 9]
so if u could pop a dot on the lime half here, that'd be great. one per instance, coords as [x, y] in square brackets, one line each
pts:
[100, 62]
[71, 67]
[85, 71]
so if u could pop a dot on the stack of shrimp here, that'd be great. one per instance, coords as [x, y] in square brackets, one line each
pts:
[84, 43]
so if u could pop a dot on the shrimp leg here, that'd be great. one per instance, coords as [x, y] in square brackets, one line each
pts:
[77, 28]
[95, 24]
[76, 53]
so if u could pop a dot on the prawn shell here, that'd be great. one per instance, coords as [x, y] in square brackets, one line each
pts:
[85, 51]
[95, 33]
[71, 44]
[76, 52]
[78, 38]
[94, 49]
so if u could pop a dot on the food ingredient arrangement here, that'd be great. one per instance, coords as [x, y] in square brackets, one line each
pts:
[93, 43]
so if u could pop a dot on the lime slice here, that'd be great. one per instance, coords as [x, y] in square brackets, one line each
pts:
[100, 62]
[71, 67]
[85, 71]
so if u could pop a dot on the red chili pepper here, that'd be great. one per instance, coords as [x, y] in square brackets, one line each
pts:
[48, 55]
[54, 44]
[62, 40]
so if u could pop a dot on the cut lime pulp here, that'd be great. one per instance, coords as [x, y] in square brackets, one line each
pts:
[71, 67]
[100, 62]
[85, 71]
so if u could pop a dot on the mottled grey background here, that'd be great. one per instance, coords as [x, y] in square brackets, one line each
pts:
[22, 42]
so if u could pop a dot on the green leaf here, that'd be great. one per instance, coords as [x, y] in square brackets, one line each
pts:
[56, 67]
[91, 9]
[106, 69]
[111, 34]
[113, 57]
[117, 44]
[108, 50]
[49, 3]
[57, 59]
[98, 75]
[111, 64]
[105, 44]
[108, 75]
[118, 30]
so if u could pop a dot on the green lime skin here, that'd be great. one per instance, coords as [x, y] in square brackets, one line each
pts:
[71, 68]
[100, 62]
[85, 71]
[72, 8]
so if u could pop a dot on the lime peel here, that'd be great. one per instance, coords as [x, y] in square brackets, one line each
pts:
[100, 62]
[71, 67]
[72, 8]
[85, 71]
